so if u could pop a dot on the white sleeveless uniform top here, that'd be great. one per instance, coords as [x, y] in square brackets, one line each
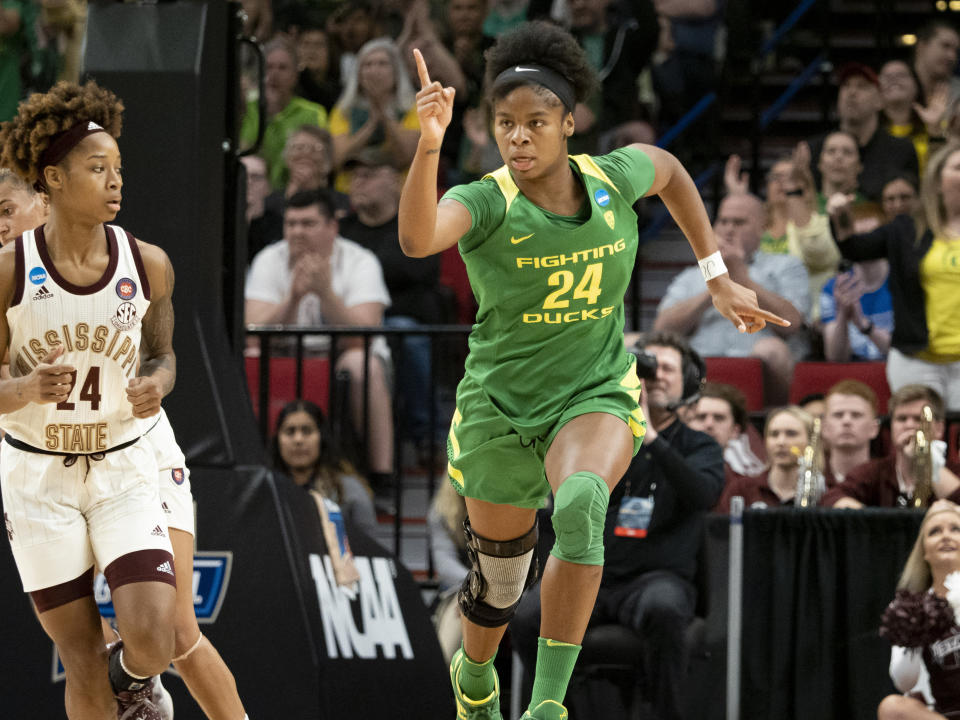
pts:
[99, 327]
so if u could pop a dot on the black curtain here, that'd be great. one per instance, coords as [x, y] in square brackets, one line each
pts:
[815, 584]
[174, 65]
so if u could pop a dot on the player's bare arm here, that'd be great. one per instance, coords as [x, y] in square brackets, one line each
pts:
[425, 227]
[679, 193]
[158, 363]
[50, 381]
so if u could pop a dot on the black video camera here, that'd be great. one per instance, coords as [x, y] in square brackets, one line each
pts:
[646, 364]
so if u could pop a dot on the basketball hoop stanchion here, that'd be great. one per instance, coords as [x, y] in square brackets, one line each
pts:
[516, 682]
[735, 605]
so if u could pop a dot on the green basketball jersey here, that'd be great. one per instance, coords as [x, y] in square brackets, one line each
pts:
[550, 288]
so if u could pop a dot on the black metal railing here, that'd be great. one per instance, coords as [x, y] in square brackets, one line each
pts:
[448, 350]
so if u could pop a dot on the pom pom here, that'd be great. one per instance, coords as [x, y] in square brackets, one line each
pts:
[915, 620]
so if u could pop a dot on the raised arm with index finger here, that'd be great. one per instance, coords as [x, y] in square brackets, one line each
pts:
[420, 219]
[549, 397]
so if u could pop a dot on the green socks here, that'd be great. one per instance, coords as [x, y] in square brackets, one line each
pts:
[555, 661]
[477, 680]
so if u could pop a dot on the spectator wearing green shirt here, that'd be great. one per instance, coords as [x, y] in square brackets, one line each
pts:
[285, 111]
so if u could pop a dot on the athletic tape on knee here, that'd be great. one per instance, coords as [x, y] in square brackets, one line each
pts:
[579, 511]
[193, 647]
[500, 572]
[121, 679]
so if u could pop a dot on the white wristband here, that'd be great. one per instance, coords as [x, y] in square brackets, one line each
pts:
[712, 266]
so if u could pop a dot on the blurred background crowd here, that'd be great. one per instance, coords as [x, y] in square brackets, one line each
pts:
[825, 138]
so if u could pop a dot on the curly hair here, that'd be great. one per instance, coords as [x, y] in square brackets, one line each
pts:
[43, 115]
[545, 44]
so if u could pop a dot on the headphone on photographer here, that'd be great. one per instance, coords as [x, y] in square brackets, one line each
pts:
[694, 369]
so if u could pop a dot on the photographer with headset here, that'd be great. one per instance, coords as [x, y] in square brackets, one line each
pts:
[654, 527]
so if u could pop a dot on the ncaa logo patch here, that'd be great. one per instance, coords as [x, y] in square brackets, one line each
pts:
[37, 275]
[178, 475]
[602, 197]
[126, 288]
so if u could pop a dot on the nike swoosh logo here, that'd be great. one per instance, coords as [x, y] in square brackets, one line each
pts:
[556, 643]
[523, 69]
[517, 241]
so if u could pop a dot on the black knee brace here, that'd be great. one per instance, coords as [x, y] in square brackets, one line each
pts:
[499, 573]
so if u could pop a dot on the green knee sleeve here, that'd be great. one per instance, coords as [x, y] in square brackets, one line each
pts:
[579, 510]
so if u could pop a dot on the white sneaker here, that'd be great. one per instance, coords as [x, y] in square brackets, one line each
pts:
[161, 698]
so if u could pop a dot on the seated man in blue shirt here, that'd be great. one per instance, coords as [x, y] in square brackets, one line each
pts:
[857, 313]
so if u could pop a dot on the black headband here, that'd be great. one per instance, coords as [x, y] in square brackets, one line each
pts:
[61, 144]
[540, 75]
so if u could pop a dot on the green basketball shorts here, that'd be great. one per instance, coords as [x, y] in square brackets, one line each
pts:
[487, 459]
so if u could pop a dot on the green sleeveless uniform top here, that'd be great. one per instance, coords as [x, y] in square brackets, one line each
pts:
[550, 288]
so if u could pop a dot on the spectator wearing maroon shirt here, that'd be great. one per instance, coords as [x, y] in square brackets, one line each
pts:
[850, 423]
[890, 481]
[787, 432]
[721, 413]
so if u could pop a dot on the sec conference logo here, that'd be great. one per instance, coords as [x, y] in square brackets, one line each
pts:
[126, 317]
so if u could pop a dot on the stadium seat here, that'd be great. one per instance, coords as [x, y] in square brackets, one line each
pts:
[453, 275]
[818, 377]
[283, 383]
[744, 373]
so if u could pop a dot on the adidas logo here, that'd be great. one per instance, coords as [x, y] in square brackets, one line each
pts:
[158, 531]
[165, 568]
[166, 508]
[42, 293]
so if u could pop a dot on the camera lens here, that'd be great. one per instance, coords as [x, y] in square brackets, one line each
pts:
[646, 364]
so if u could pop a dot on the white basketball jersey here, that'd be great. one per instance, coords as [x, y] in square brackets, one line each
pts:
[99, 327]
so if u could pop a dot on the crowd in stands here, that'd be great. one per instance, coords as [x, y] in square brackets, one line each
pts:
[851, 242]
[871, 245]
[826, 247]
[854, 242]
[341, 124]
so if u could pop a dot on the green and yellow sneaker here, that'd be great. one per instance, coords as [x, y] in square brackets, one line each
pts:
[486, 709]
[547, 710]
